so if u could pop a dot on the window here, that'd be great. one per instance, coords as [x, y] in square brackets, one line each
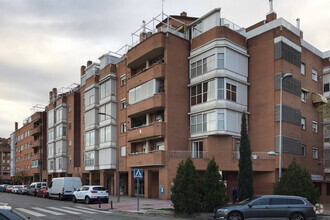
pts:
[315, 153]
[197, 149]
[70, 108]
[197, 29]
[123, 104]
[202, 66]
[221, 121]
[303, 123]
[50, 135]
[91, 100]
[262, 201]
[89, 159]
[203, 123]
[303, 96]
[123, 151]
[70, 125]
[50, 151]
[302, 68]
[60, 131]
[198, 94]
[123, 80]
[231, 92]
[58, 115]
[51, 165]
[105, 134]
[70, 142]
[326, 87]
[314, 128]
[303, 150]
[314, 75]
[122, 127]
[105, 89]
[221, 92]
[105, 109]
[89, 138]
[142, 92]
[221, 60]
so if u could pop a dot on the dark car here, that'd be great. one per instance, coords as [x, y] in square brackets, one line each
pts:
[269, 207]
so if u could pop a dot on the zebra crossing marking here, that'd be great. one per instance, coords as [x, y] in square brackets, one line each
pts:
[36, 214]
[84, 211]
[67, 211]
[47, 211]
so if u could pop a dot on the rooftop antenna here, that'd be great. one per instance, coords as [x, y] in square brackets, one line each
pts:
[163, 9]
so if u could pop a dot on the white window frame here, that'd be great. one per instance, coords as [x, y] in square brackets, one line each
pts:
[197, 149]
[123, 151]
[314, 74]
[315, 153]
[123, 103]
[303, 96]
[303, 123]
[123, 127]
[314, 127]
[123, 80]
[303, 69]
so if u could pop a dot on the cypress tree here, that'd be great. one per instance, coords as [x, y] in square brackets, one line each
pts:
[298, 182]
[213, 188]
[245, 172]
[186, 190]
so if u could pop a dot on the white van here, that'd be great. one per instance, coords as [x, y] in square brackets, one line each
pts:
[63, 187]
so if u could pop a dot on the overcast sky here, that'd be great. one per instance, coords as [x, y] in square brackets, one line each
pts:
[43, 43]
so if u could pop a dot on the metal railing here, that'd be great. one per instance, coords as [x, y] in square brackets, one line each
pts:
[254, 156]
[141, 153]
[229, 24]
[186, 154]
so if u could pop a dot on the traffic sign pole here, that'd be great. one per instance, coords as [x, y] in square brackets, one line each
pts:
[138, 193]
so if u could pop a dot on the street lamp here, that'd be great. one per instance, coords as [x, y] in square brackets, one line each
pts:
[287, 75]
[117, 161]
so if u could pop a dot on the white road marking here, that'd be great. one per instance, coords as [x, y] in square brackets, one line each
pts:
[93, 210]
[74, 209]
[30, 212]
[47, 211]
[66, 211]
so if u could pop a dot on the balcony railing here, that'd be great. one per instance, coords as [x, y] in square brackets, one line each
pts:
[186, 154]
[36, 143]
[254, 156]
[35, 131]
[151, 158]
[156, 129]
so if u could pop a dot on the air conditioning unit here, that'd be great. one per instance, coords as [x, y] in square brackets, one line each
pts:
[254, 157]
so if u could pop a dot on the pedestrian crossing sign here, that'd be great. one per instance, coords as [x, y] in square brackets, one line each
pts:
[138, 174]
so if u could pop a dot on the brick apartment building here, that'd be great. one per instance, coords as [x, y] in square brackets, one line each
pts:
[179, 92]
[4, 160]
[63, 133]
[29, 153]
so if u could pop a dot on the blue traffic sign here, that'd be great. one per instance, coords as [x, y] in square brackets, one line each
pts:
[138, 174]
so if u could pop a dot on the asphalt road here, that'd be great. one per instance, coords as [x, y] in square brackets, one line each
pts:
[40, 208]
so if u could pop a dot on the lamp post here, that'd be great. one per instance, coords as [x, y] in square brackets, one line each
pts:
[287, 75]
[117, 161]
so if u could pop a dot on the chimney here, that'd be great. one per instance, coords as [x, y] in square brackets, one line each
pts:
[298, 23]
[82, 70]
[16, 126]
[50, 96]
[271, 6]
[89, 63]
[54, 94]
[183, 14]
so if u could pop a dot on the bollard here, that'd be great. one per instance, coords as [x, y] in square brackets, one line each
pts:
[111, 204]
[99, 202]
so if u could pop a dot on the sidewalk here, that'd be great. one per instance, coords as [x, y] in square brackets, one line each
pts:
[130, 204]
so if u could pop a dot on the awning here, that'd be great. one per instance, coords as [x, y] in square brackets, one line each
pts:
[319, 99]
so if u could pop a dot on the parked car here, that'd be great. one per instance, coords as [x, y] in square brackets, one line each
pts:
[23, 189]
[3, 188]
[269, 207]
[63, 187]
[6, 212]
[35, 187]
[90, 194]
[9, 188]
[15, 189]
[43, 192]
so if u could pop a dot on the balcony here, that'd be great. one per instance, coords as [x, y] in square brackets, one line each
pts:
[261, 161]
[36, 131]
[36, 143]
[148, 49]
[151, 131]
[154, 72]
[152, 158]
[200, 158]
[151, 104]
[36, 157]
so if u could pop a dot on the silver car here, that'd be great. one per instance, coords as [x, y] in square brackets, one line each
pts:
[23, 189]
[269, 207]
[15, 189]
